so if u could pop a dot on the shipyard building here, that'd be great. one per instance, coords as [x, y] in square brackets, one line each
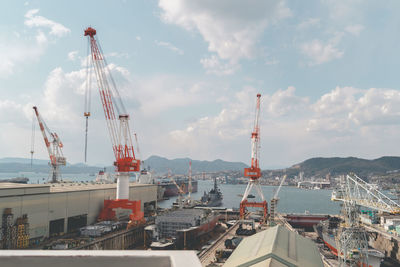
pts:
[53, 209]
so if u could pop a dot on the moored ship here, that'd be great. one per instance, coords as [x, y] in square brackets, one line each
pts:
[213, 198]
[171, 190]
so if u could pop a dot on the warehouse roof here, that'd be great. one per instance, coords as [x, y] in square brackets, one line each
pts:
[15, 189]
[276, 247]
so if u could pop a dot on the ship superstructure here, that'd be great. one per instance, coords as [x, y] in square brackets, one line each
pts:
[213, 198]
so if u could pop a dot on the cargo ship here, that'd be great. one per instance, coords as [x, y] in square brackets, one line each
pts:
[182, 227]
[327, 231]
[171, 190]
[213, 198]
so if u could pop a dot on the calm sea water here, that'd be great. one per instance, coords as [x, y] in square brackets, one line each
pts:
[291, 199]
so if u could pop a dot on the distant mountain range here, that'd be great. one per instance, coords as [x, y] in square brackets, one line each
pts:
[311, 167]
[156, 163]
[337, 166]
[181, 165]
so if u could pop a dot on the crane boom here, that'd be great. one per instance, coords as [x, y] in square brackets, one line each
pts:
[120, 135]
[279, 188]
[54, 148]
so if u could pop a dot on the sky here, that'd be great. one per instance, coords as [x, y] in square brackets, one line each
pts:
[189, 72]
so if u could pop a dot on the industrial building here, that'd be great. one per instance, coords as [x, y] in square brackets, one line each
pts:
[276, 246]
[54, 209]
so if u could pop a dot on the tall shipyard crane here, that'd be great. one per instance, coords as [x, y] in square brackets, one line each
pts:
[54, 148]
[352, 238]
[117, 120]
[254, 172]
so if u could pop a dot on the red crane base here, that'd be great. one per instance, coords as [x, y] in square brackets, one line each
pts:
[108, 213]
[245, 204]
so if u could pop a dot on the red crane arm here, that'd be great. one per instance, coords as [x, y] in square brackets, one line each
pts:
[119, 134]
[254, 171]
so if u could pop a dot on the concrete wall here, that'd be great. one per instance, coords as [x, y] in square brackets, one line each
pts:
[45, 207]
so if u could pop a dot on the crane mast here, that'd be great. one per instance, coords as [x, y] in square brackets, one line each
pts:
[54, 148]
[117, 120]
[254, 172]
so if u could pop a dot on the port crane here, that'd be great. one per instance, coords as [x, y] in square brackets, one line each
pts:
[117, 120]
[254, 172]
[54, 148]
[352, 239]
[274, 200]
[353, 189]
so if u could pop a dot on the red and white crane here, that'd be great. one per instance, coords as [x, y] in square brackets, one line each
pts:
[254, 172]
[117, 120]
[54, 148]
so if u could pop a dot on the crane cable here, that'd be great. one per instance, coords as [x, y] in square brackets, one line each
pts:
[33, 138]
[87, 96]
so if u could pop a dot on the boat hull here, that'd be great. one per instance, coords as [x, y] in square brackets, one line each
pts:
[171, 190]
[305, 220]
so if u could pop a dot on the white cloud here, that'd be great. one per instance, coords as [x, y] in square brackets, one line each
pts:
[354, 29]
[377, 106]
[231, 28]
[13, 53]
[214, 65]
[170, 47]
[41, 38]
[34, 20]
[319, 52]
[138, 38]
[16, 50]
[310, 22]
[72, 55]
[338, 101]
[284, 102]
[345, 109]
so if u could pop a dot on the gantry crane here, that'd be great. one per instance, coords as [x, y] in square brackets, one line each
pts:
[352, 238]
[119, 132]
[254, 172]
[54, 149]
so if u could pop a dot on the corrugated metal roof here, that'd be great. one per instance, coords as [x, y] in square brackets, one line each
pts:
[276, 247]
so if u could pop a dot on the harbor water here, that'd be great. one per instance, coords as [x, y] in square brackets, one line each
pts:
[291, 199]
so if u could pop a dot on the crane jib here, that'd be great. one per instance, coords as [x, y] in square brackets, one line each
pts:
[120, 135]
